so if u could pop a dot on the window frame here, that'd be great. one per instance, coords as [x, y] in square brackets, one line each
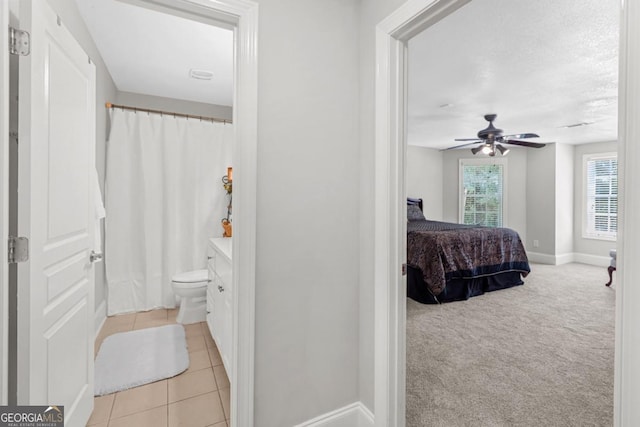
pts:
[482, 162]
[586, 233]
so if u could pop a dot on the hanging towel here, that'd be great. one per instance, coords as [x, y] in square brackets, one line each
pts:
[99, 211]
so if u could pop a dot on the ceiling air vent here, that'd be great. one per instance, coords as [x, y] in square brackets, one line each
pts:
[200, 74]
[577, 125]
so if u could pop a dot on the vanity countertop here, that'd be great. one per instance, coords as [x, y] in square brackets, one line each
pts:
[223, 244]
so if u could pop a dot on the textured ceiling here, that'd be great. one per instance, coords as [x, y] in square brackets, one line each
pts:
[539, 65]
[152, 53]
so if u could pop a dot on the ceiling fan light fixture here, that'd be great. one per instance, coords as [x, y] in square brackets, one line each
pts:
[476, 150]
[504, 151]
[492, 137]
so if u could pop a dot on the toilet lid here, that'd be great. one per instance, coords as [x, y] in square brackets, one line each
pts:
[191, 276]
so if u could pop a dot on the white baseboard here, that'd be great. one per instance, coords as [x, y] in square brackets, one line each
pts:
[353, 415]
[100, 316]
[599, 261]
[365, 417]
[542, 258]
[565, 258]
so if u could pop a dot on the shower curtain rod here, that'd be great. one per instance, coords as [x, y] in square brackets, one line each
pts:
[168, 113]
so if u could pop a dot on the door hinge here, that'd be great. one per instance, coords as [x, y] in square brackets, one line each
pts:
[19, 42]
[404, 269]
[18, 249]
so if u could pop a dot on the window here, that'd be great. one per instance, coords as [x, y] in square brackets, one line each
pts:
[482, 191]
[601, 207]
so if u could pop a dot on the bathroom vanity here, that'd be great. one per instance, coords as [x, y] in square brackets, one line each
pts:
[220, 296]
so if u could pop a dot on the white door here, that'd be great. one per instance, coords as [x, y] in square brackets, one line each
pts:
[55, 211]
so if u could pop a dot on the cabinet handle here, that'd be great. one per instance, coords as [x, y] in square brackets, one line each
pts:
[209, 257]
[220, 288]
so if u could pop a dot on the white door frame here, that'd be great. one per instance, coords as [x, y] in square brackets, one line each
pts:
[242, 17]
[626, 409]
[392, 35]
[4, 200]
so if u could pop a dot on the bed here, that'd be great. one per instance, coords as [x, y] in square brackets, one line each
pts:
[451, 262]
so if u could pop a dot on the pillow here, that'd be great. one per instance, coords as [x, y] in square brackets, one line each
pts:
[414, 213]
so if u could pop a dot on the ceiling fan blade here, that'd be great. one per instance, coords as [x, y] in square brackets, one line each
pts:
[463, 145]
[468, 139]
[523, 135]
[524, 143]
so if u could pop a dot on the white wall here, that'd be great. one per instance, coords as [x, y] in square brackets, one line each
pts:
[589, 247]
[424, 179]
[541, 200]
[515, 187]
[307, 287]
[550, 194]
[564, 199]
[173, 105]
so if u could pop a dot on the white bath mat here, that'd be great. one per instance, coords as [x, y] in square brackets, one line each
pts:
[130, 359]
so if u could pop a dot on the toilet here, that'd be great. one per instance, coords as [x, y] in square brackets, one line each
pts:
[191, 287]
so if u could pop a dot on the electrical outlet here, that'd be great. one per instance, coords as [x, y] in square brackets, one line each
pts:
[536, 243]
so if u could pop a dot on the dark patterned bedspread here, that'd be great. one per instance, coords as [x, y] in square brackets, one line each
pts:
[444, 251]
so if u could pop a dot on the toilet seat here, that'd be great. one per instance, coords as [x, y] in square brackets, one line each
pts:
[181, 288]
[191, 277]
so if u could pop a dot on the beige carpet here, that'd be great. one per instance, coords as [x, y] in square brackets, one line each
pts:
[541, 354]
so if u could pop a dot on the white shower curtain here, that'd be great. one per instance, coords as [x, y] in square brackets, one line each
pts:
[164, 199]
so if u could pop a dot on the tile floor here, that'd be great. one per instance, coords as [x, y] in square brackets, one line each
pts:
[198, 397]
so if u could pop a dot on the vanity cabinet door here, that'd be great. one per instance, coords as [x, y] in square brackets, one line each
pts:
[219, 323]
[228, 325]
[211, 287]
[226, 300]
[220, 298]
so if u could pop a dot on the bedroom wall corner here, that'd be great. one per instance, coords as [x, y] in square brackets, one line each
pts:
[105, 91]
[541, 203]
[517, 188]
[564, 215]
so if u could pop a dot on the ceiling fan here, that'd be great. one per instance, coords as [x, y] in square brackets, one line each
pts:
[492, 139]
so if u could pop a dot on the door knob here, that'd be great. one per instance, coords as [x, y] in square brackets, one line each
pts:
[95, 256]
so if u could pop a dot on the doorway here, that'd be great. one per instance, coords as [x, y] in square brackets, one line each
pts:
[393, 34]
[241, 16]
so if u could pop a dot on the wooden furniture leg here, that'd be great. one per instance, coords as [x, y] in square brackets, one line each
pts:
[610, 269]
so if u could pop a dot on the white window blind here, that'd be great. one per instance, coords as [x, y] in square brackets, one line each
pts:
[601, 196]
[482, 193]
